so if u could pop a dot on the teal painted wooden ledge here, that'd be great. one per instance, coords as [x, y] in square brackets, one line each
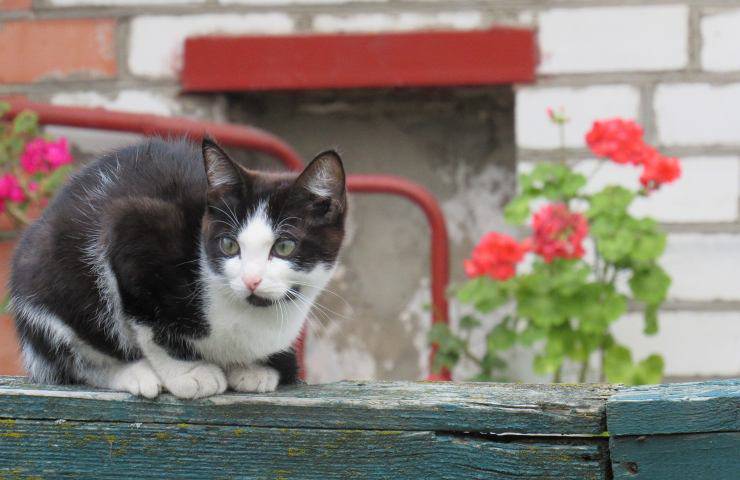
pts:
[373, 430]
[676, 431]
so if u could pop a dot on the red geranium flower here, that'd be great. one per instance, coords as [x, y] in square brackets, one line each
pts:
[617, 139]
[496, 255]
[558, 232]
[659, 170]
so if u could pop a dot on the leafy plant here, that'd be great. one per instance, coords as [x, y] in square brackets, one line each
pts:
[565, 302]
[32, 166]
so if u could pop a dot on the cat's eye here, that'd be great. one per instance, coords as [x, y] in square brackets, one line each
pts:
[228, 246]
[284, 247]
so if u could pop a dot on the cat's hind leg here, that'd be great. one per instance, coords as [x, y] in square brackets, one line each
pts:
[53, 353]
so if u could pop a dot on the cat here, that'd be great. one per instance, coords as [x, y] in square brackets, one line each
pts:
[164, 266]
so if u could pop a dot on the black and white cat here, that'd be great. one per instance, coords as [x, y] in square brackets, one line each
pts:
[149, 271]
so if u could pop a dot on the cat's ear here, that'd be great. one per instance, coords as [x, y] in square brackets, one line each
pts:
[324, 176]
[221, 171]
[324, 179]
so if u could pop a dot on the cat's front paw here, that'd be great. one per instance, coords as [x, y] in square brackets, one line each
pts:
[201, 380]
[137, 378]
[254, 378]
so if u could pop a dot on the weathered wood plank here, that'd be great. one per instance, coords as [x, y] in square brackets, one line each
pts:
[31, 448]
[714, 456]
[476, 407]
[676, 408]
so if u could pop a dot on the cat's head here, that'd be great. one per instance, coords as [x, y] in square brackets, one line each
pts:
[272, 236]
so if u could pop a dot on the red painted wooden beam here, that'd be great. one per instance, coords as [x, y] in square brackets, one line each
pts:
[304, 62]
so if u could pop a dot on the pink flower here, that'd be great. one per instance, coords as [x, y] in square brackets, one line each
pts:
[10, 189]
[558, 232]
[44, 156]
[57, 153]
[33, 156]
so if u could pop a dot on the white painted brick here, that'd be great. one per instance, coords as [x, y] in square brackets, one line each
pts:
[720, 34]
[406, 21]
[704, 267]
[691, 343]
[583, 106]
[112, 3]
[138, 101]
[156, 42]
[698, 114]
[707, 191]
[611, 39]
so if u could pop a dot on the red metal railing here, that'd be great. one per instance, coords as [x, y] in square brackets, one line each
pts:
[256, 139]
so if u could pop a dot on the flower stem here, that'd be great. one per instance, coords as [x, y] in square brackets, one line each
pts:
[558, 377]
[17, 215]
[583, 371]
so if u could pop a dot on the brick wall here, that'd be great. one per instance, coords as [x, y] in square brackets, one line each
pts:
[672, 65]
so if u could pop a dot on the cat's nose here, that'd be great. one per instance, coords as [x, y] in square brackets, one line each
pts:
[252, 282]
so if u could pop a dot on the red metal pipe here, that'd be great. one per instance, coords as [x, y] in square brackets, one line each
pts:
[256, 139]
[440, 251]
[100, 119]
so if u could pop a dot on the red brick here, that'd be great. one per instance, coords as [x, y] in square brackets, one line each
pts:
[56, 49]
[7, 5]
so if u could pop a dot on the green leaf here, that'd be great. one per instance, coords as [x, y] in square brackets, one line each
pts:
[484, 293]
[649, 370]
[611, 201]
[613, 244]
[650, 284]
[651, 320]
[542, 310]
[649, 240]
[4, 108]
[600, 306]
[500, 338]
[15, 146]
[471, 289]
[26, 122]
[545, 365]
[444, 360]
[572, 184]
[553, 181]
[517, 211]
[469, 322]
[491, 361]
[618, 364]
[531, 334]
[439, 332]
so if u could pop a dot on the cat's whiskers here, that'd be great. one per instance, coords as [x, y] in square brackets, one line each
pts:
[323, 290]
[305, 303]
[320, 306]
[230, 216]
[279, 228]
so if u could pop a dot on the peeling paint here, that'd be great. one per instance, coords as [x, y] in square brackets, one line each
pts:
[475, 207]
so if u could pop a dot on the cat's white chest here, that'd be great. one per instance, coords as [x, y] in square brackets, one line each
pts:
[242, 334]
